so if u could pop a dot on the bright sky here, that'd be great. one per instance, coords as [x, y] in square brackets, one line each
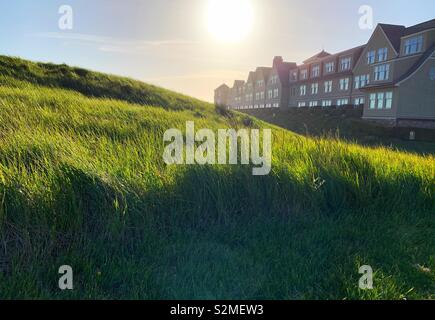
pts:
[184, 45]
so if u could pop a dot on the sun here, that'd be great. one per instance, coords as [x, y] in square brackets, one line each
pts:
[230, 20]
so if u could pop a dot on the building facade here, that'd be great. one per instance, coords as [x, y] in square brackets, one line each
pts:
[392, 77]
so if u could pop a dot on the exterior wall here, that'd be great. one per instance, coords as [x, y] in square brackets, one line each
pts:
[381, 114]
[222, 96]
[272, 86]
[376, 42]
[260, 90]
[417, 94]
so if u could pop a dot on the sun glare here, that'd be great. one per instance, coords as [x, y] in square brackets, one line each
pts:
[230, 20]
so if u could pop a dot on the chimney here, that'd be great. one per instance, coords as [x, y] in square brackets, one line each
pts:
[277, 60]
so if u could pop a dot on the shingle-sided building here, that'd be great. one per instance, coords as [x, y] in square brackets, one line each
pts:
[324, 80]
[222, 95]
[400, 64]
[392, 76]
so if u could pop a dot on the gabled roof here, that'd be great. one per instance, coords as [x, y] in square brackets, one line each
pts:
[420, 27]
[283, 70]
[238, 83]
[222, 86]
[320, 55]
[407, 74]
[393, 33]
[251, 77]
[262, 73]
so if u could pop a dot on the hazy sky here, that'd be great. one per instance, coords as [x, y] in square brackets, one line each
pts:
[168, 43]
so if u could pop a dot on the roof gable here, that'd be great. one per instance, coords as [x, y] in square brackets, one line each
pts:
[316, 57]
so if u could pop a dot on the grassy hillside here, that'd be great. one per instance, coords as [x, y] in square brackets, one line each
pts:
[347, 125]
[83, 183]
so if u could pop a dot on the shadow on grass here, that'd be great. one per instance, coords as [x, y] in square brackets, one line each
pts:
[216, 233]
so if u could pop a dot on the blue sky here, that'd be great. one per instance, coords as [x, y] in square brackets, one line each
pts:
[166, 42]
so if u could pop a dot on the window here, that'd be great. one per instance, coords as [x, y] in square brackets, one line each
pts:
[294, 75]
[257, 96]
[413, 45]
[382, 54]
[276, 93]
[371, 57]
[328, 86]
[276, 105]
[273, 79]
[342, 102]
[315, 72]
[304, 74]
[269, 94]
[314, 88]
[380, 100]
[357, 82]
[372, 100]
[345, 63]
[344, 84]
[314, 103]
[326, 103]
[303, 90]
[262, 95]
[388, 100]
[361, 81]
[301, 104]
[382, 72]
[260, 83]
[329, 67]
[359, 101]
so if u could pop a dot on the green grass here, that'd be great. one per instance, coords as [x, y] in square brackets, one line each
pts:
[83, 183]
[348, 125]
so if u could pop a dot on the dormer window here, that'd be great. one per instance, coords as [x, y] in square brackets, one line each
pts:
[345, 63]
[413, 45]
[315, 71]
[329, 67]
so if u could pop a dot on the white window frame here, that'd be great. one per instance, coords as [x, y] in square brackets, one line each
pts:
[413, 45]
[314, 88]
[344, 84]
[330, 67]
[328, 86]
[345, 63]
[380, 103]
[303, 90]
[315, 71]
[389, 100]
[382, 72]
[382, 54]
[371, 57]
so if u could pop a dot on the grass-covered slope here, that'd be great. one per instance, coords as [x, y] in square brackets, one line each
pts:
[83, 183]
[347, 124]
